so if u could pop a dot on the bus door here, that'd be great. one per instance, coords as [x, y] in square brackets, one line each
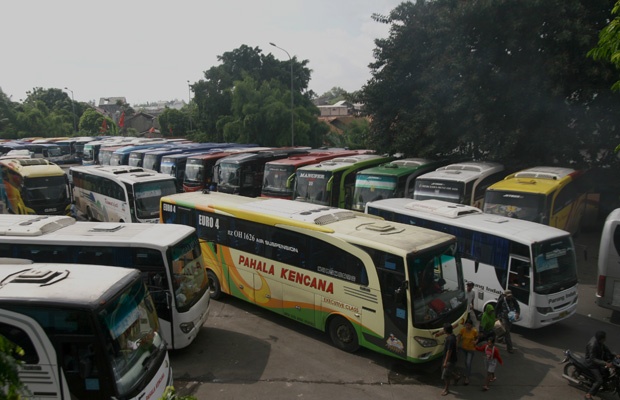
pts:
[80, 359]
[335, 190]
[519, 281]
[393, 283]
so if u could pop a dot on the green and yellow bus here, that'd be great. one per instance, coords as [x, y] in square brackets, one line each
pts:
[332, 182]
[382, 285]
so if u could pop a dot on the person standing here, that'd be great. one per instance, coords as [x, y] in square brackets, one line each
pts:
[491, 358]
[449, 367]
[598, 357]
[487, 323]
[467, 339]
[508, 311]
[471, 296]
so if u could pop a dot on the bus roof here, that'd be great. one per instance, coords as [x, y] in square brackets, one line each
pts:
[402, 167]
[33, 167]
[124, 173]
[312, 157]
[354, 227]
[219, 153]
[542, 180]
[340, 163]
[464, 216]
[282, 152]
[464, 171]
[55, 230]
[76, 285]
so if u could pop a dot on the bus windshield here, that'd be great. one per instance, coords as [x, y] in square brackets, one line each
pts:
[555, 265]
[311, 186]
[436, 295]
[527, 206]
[167, 167]
[194, 171]
[190, 278]
[46, 188]
[276, 177]
[371, 188]
[453, 192]
[228, 175]
[131, 330]
[147, 197]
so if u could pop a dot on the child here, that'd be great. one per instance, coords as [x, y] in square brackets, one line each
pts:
[491, 359]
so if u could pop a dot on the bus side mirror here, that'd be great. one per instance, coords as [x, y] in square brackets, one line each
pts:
[400, 293]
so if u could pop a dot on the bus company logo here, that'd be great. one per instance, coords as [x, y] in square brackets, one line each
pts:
[309, 175]
[110, 203]
[394, 344]
[50, 210]
[256, 265]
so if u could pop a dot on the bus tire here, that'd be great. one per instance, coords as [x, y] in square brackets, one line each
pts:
[215, 289]
[343, 334]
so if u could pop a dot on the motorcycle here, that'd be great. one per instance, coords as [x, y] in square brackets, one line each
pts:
[577, 373]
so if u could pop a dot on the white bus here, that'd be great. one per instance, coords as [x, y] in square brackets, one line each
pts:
[461, 183]
[87, 332]
[608, 289]
[537, 262]
[169, 258]
[119, 193]
[385, 286]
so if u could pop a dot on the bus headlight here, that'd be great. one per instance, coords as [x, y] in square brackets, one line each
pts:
[425, 342]
[187, 327]
[544, 310]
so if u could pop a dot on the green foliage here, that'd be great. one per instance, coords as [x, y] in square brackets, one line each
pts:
[173, 122]
[247, 98]
[450, 81]
[608, 46]
[356, 134]
[170, 394]
[91, 122]
[10, 384]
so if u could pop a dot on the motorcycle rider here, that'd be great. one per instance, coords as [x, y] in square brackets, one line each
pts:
[598, 357]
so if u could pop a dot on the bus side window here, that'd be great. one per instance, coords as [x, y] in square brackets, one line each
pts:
[617, 239]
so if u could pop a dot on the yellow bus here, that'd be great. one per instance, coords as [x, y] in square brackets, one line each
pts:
[553, 196]
[382, 285]
[34, 186]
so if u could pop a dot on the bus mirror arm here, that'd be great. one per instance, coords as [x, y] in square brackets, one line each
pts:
[168, 300]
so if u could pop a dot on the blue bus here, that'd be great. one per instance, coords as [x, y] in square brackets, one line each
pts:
[152, 159]
[121, 156]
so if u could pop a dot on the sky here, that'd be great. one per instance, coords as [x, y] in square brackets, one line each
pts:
[146, 51]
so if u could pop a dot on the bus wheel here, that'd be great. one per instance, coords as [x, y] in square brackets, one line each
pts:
[343, 334]
[215, 290]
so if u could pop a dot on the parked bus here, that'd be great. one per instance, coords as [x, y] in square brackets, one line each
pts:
[175, 164]
[461, 183]
[608, 289]
[243, 173]
[91, 150]
[105, 153]
[49, 151]
[168, 256]
[393, 179]
[536, 262]
[279, 178]
[86, 332]
[199, 168]
[34, 186]
[332, 182]
[384, 286]
[121, 156]
[152, 159]
[552, 196]
[119, 194]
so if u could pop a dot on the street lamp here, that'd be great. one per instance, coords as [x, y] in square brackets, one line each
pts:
[73, 108]
[292, 124]
[189, 110]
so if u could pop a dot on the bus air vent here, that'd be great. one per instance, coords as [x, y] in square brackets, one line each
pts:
[342, 215]
[36, 276]
[111, 227]
[325, 219]
[379, 227]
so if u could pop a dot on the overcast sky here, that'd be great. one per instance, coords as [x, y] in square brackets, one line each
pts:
[148, 50]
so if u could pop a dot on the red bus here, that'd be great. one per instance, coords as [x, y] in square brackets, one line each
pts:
[279, 177]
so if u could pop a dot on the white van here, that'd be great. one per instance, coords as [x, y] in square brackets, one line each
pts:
[608, 289]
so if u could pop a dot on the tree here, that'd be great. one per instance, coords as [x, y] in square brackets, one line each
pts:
[173, 122]
[608, 46]
[10, 384]
[92, 122]
[449, 81]
[248, 96]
